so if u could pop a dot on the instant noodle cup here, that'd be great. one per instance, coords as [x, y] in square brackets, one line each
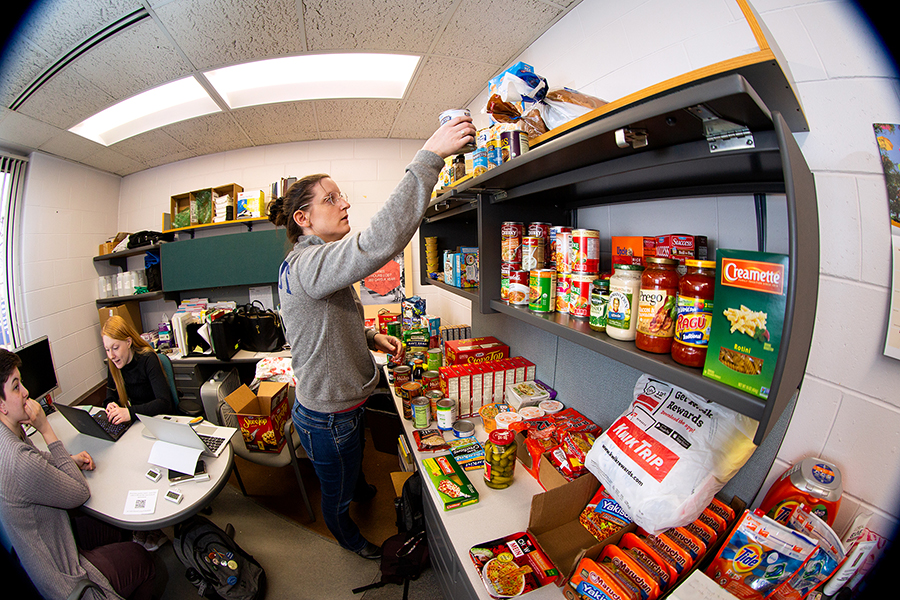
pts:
[504, 420]
[530, 412]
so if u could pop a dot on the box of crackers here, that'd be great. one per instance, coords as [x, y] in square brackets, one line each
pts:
[748, 319]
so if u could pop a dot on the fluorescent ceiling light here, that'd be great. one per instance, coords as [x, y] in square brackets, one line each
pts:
[169, 103]
[314, 76]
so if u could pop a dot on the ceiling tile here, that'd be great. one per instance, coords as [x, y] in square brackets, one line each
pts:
[417, 120]
[452, 81]
[66, 100]
[22, 63]
[71, 146]
[113, 162]
[391, 25]
[208, 134]
[23, 130]
[214, 33]
[469, 35]
[278, 123]
[132, 61]
[356, 115]
[149, 146]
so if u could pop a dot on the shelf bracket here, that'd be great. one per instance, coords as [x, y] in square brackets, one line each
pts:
[636, 138]
[722, 135]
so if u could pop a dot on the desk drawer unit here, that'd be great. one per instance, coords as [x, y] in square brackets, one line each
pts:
[189, 378]
[450, 574]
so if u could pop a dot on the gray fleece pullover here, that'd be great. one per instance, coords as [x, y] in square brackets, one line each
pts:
[323, 317]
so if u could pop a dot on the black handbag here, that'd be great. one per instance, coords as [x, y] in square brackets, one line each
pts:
[260, 329]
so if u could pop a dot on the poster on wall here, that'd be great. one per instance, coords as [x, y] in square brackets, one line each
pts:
[383, 290]
[888, 138]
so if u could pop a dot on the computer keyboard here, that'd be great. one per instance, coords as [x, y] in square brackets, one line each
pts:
[113, 429]
[212, 442]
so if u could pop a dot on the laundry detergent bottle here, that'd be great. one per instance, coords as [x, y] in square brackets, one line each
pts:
[813, 482]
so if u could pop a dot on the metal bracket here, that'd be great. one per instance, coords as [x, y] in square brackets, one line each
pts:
[722, 135]
[636, 138]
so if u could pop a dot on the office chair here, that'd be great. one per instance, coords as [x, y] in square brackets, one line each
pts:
[27, 589]
[187, 407]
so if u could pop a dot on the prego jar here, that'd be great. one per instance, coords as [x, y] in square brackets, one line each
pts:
[621, 314]
[656, 306]
[694, 313]
[599, 304]
[500, 458]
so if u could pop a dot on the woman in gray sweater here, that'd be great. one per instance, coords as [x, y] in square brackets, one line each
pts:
[36, 491]
[323, 317]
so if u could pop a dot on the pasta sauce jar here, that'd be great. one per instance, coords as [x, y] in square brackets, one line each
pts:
[694, 309]
[656, 305]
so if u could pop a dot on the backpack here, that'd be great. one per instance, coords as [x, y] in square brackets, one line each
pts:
[405, 555]
[215, 563]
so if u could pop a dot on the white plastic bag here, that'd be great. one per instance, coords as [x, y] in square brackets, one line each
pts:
[667, 456]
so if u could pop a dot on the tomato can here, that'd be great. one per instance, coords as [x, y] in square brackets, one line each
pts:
[580, 294]
[402, 374]
[532, 253]
[563, 286]
[585, 251]
[511, 233]
[421, 412]
[542, 290]
[431, 381]
[519, 287]
[563, 251]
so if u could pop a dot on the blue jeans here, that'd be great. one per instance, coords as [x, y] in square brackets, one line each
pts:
[334, 443]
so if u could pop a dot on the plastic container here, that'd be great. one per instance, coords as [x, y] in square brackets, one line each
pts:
[489, 414]
[656, 307]
[812, 481]
[694, 309]
[624, 290]
[500, 458]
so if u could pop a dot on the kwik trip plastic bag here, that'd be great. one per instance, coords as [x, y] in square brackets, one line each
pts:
[667, 456]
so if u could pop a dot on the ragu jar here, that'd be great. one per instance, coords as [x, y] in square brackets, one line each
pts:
[694, 308]
[656, 305]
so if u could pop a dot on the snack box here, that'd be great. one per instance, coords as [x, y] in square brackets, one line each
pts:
[512, 565]
[449, 480]
[261, 416]
[474, 350]
[747, 320]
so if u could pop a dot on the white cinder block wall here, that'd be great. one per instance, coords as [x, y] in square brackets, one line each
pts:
[848, 411]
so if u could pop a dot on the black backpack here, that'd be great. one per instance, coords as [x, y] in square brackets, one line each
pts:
[215, 563]
[405, 555]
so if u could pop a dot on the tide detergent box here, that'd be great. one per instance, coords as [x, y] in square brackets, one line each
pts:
[747, 319]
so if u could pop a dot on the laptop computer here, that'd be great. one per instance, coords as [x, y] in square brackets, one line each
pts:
[95, 425]
[209, 439]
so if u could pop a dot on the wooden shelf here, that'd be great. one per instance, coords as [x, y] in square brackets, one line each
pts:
[248, 223]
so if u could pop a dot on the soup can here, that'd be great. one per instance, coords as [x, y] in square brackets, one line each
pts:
[563, 285]
[421, 412]
[585, 251]
[408, 391]
[513, 144]
[402, 374]
[431, 381]
[519, 288]
[580, 294]
[532, 253]
[511, 233]
[446, 414]
[447, 115]
[433, 397]
[435, 359]
[541, 230]
[563, 251]
[542, 290]
[553, 251]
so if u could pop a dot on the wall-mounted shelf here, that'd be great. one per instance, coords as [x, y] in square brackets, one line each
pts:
[113, 301]
[120, 259]
[248, 223]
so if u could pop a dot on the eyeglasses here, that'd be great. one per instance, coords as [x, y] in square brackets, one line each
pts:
[329, 199]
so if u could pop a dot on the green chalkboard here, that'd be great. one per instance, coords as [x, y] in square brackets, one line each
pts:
[245, 258]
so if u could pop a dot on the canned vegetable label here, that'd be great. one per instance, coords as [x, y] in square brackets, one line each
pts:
[542, 291]
[563, 286]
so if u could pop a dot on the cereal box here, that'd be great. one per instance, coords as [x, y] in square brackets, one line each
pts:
[747, 321]
[261, 417]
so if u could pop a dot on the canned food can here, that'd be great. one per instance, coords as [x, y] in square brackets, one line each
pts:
[553, 251]
[563, 285]
[433, 397]
[511, 233]
[580, 295]
[563, 251]
[585, 251]
[513, 144]
[463, 428]
[402, 374]
[408, 391]
[421, 412]
[447, 115]
[431, 381]
[541, 230]
[393, 328]
[519, 287]
[435, 359]
[446, 414]
[532, 253]
[542, 290]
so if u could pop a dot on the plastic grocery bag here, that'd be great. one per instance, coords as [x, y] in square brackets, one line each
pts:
[561, 106]
[666, 457]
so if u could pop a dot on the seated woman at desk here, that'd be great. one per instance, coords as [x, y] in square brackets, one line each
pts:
[36, 491]
[136, 383]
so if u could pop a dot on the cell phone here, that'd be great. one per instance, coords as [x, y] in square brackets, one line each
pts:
[174, 495]
[153, 475]
[200, 474]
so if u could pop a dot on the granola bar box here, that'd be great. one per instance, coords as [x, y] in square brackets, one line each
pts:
[448, 478]
[747, 319]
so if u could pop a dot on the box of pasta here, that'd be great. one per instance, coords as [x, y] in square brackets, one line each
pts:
[748, 318]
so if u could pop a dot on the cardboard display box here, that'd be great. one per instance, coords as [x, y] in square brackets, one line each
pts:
[261, 417]
[130, 311]
[546, 474]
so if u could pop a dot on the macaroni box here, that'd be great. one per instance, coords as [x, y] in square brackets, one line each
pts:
[450, 481]
[475, 350]
[261, 417]
[747, 321]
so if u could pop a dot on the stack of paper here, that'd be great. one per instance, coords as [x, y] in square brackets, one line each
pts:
[224, 208]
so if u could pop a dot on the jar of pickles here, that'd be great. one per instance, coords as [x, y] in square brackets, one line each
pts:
[694, 308]
[500, 459]
[656, 306]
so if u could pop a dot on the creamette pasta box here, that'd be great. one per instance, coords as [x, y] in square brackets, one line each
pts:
[747, 319]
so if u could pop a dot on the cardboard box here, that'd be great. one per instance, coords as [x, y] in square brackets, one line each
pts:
[250, 204]
[475, 350]
[130, 311]
[261, 417]
[752, 288]
[448, 478]
[627, 250]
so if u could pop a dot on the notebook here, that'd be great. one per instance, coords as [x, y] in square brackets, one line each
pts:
[96, 425]
[209, 439]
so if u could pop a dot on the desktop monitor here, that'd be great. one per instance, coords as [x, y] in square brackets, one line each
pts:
[37, 370]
